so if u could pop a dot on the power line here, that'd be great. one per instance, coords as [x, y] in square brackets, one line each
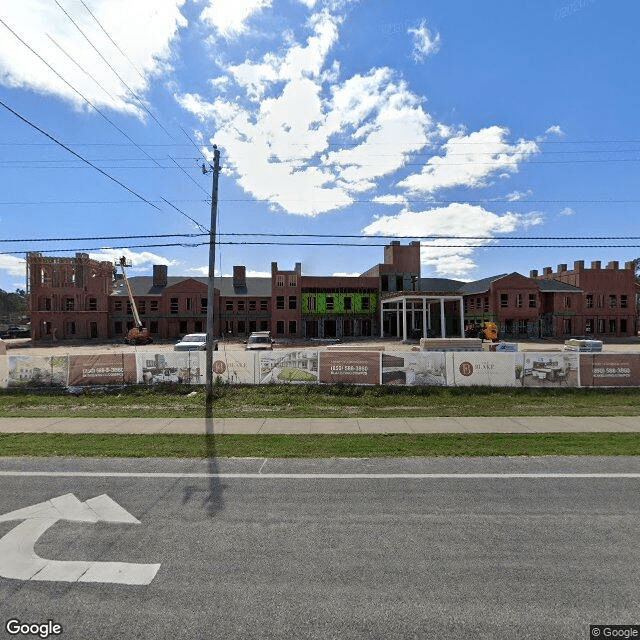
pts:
[93, 106]
[71, 151]
[133, 93]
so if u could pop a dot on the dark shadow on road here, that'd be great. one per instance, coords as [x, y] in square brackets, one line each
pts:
[214, 500]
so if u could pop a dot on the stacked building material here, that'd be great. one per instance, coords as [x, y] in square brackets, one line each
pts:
[450, 344]
[583, 346]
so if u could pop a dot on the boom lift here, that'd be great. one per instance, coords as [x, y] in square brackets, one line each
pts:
[137, 334]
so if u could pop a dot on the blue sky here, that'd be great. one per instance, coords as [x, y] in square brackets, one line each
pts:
[353, 118]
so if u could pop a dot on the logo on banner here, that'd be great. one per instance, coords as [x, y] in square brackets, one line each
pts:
[466, 368]
[219, 367]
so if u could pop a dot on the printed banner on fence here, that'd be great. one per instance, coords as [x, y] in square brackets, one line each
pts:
[116, 368]
[37, 371]
[427, 369]
[235, 367]
[183, 367]
[4, 371]
[559, 369]
[482, 368]
[354, 367]
[610, 370]
[289, 366]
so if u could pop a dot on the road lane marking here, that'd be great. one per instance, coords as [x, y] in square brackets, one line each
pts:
[19, 561]
[320, 476]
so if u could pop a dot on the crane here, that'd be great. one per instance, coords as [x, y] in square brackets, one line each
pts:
[137, 334]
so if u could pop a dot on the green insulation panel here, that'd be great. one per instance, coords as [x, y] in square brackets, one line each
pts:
[320, 304]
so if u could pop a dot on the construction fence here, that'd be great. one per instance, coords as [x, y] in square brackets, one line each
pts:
[311, 366]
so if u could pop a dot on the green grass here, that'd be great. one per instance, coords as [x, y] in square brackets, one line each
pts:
[290, 374]
[318, 446]
[329, 401]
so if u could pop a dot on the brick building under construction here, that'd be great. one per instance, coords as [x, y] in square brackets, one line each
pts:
[80, 298]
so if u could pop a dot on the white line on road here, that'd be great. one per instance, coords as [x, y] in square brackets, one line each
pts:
[321, 476]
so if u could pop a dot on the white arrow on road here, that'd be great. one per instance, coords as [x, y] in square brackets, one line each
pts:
[19, 561]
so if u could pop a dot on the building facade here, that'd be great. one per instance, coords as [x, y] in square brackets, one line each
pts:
[81, 298]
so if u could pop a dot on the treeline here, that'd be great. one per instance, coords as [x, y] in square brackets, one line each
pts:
[13, 305]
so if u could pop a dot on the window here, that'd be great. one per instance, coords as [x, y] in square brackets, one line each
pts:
[69, 304]
[264, 325]
[589, 301]
[153, 326]
[623, 325]
[519, 300]
[280, 281]
[240, 326]
[329, 303]
[366, 303]
[504, 300]
[347, 303]
[532, 300]
[189, 303]
[252, 326]
[229, 305]
[280, 303]
[183, 326]
[280, 327]
[567, 302]
[399, 283]
[198, 327]
[293, 281]
[601, 325]
[478, 302]
[384, 283]
[311, 303]
[129, 311]
[486, 304]
[203, 305]
[240, 305]
[154, 305]
[252, 305]
[71, 328]
[293, 303]
[292, 327]
[117, 328]
[117, 305]
[588, 325]
[612, 326]
[93, 304]
[623, 302]
[264, 305]
[600, 302]
[613, 302]
[142, 307]
[174, 305]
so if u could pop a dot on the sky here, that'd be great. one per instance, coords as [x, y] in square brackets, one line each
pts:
[501, 135]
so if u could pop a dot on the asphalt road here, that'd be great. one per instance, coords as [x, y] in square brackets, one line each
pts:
[343, 549]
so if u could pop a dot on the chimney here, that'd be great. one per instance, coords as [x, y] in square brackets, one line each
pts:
[298, 268]
[578, 265]
[595, 264]
[274, 268]
[630, 265]
[562, 268]
[239, 276]
[547, 271]
[613, 265]
[160, 275]
[533, 273]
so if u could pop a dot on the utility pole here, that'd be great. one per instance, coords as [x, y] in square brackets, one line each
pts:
[212, 265]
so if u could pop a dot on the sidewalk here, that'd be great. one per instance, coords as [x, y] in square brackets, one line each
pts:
[219, 426]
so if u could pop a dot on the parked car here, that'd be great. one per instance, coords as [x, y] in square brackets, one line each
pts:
[259, 340]
[15, 331]
[194, 342]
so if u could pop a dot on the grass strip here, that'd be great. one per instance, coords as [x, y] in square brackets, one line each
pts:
[318, 446]
[330, 401]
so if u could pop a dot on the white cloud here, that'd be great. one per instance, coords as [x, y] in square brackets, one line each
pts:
[14, 266]
[470, 160]
[390, 199]
[45, 28]
[555, 130]
[341, 274]
[445, 256]
[567, 212]
[424, 42]
[282, 153]
[230, 18]
[139, 259]
[518, 195]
